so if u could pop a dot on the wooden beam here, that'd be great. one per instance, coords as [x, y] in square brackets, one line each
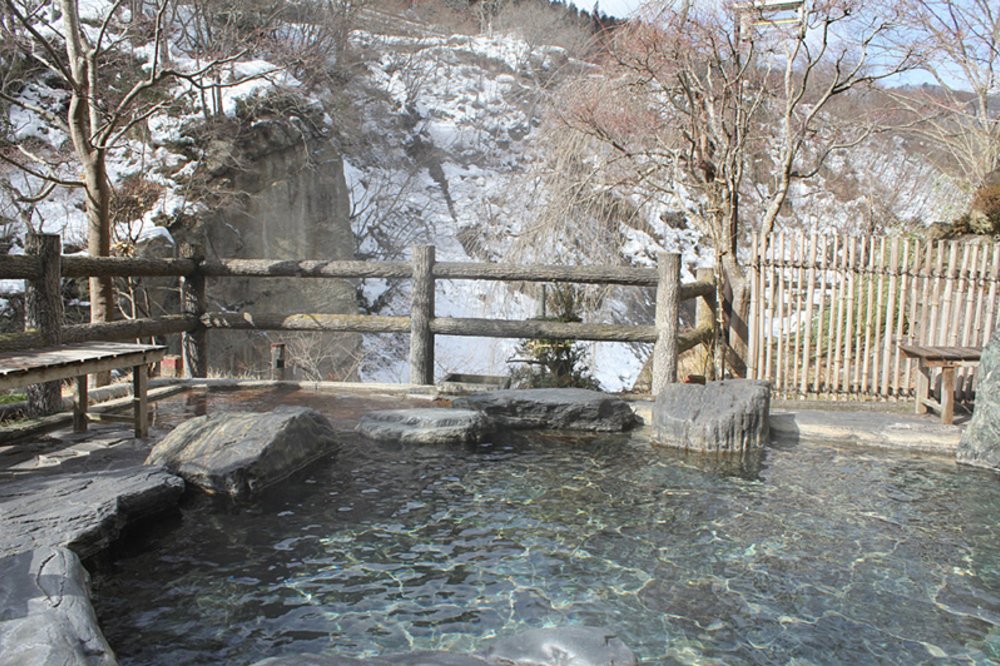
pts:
[556, 330]
[81, 266]
[311, 269]
[421, 314]
[44, 312]
[23, 267]
[345, 323]
[667, 310]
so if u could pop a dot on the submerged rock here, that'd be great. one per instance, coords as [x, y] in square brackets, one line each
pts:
[724, 416]
[562, 409]
[85, 511]
[238, 453]
[45, 611]
[425, 426]
[572, 646]
[980, 443]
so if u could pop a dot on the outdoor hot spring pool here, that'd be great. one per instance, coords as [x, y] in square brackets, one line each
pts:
[808, 554]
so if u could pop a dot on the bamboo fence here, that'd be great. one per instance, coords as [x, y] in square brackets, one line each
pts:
[828, 311]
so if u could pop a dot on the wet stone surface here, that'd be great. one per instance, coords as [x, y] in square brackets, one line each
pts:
[240, 453]
[554, 409]
[823, 554]
[425, 426]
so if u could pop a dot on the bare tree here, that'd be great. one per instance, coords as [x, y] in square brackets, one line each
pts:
[696, 99]
[959, 114]
[106, 94]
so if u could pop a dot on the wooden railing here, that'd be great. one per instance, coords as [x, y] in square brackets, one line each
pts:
[196, 320]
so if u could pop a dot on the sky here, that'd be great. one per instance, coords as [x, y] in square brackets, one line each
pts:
[619, 8]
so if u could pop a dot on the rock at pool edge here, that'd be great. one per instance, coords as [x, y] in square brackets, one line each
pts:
[555, 409]
[45, 611]
[980, 443]
[724, 416]
[425, 426]
[239, 453]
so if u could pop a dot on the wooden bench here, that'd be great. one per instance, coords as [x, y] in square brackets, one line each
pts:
[19, 369]
[948, 359]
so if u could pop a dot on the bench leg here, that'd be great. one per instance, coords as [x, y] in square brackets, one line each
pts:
[140, 405]
[80, 405]
[947, 395]
[923, 388]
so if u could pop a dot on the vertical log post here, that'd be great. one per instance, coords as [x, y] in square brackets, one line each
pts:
[278, 361]
[421, 313]
[44, 313]
[194, 343]
[667, 307]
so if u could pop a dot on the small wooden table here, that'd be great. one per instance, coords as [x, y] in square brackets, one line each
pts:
[36, 366]
[948, 359]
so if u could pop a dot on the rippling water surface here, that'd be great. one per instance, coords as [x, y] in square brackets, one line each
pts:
[808, 554]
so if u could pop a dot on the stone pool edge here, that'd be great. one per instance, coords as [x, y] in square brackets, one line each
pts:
[881, 430]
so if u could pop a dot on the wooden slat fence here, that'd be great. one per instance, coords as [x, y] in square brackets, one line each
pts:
[828, 311]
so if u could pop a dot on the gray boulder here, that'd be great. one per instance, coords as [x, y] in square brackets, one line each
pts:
[980, 443]
[45, 612]
[238, 453]
[562, 409]
[561, 646]
[725, 416]
[425, 426]
[85, 511]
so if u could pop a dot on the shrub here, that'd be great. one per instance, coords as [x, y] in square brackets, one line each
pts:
[984, 217]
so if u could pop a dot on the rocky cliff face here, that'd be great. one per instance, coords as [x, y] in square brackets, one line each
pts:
[289, 201]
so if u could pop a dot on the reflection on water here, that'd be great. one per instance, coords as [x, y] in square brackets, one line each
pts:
[808, 554]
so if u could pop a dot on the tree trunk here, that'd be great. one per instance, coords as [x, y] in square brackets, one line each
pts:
[98, 198]
[736, 311]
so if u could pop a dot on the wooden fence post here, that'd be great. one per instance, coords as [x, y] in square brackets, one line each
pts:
[421, 314]
[194, 343]
[667, 307]
[44, 312]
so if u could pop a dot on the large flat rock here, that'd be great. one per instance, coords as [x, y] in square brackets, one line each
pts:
[46, 618]
[556, 409]
[239, 453]
[425, 426]
[724, 416]
[84, 511]
[980, 444]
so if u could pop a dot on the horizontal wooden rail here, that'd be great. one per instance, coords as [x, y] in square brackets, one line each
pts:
[79, 266]
[20, 267]
[343, 323]
[641, 277]
[557, 330]
[126, 329]
[315, 269]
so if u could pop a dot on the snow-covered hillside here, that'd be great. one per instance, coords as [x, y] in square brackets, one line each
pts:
[453, 143]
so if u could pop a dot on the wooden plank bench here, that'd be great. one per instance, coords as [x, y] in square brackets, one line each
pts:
[948, 359]
[36, 366]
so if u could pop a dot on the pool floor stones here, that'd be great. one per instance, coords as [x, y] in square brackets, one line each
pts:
[239, 453]
[426, 426]
[553, 646]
